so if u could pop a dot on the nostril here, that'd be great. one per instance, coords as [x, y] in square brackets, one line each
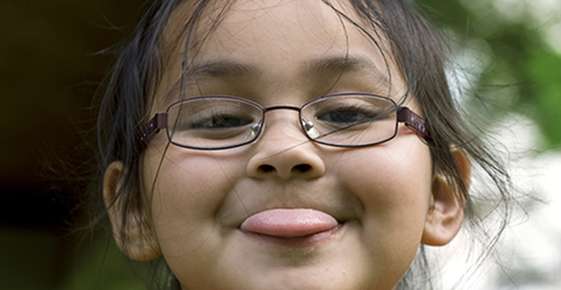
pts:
[266, 168]
[302, 168]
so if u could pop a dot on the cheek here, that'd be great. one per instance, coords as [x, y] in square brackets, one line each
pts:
[188, 190]
[387, 178]
[393, 184]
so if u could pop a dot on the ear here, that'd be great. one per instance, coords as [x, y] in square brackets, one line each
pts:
[134, 238]
[445, 217]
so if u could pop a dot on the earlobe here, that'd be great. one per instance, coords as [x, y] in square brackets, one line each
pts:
[445, 217]
[130, 229]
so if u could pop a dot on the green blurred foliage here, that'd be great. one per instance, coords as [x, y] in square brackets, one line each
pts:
[522, 61]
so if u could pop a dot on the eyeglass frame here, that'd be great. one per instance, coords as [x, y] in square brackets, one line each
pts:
[404, 115]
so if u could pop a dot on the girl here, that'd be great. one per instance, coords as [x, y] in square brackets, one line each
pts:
[286, 144]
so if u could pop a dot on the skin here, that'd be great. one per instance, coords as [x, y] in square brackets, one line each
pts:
[390, 202]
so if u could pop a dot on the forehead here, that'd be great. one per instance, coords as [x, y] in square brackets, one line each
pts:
[277, 37]
[270, 30]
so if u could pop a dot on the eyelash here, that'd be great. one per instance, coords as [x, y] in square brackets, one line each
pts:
[201, 121]
[214, 118]
[350, 108]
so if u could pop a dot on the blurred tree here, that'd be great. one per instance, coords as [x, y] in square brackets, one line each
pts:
[525, 56]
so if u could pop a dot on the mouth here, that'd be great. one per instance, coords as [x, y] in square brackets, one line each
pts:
[295, 227]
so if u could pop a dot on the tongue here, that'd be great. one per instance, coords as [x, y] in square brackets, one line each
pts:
[289, 223]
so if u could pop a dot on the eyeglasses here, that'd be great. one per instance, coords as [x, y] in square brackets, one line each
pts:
[341, 120]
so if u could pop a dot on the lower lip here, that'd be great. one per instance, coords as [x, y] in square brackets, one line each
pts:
[305, 241]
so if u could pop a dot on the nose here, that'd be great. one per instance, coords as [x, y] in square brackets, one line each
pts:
[284, 152]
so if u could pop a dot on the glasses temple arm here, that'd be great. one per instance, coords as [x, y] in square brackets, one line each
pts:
[148, 131]
[414, 122]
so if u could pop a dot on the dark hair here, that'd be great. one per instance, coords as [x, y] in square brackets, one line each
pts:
[417, 49]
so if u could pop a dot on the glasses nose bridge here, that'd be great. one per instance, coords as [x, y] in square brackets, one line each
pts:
[283, 107]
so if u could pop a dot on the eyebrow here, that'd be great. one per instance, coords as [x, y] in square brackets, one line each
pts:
[344, 64]
[220, 68]
[223, 68]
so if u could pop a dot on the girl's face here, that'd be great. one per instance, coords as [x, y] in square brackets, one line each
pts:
[380, 196]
